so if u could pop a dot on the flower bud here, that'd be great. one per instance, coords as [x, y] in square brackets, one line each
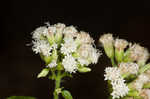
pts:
[59, 32]
[46, 59]
[108, 41]
[120, 45]
[50, 34]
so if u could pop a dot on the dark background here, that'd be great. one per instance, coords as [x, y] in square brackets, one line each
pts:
[19, 66]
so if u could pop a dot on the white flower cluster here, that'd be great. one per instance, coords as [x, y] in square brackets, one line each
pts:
[120, 89]
[138, 53]
[129, 67]
[65, 44]
[141, 80]
[130, 63]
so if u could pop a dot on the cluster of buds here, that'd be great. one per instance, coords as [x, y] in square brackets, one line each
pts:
[130, 67]
[64, 48]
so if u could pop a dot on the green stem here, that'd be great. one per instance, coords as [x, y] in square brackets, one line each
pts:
[57, 85]
[113, 62]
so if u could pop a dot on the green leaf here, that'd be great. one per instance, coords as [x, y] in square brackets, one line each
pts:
[133, 93]
[144, 68]
[109, 50]
[46, 59]
[20, 97]
[84, 69]
[43, 73]
[66, 94]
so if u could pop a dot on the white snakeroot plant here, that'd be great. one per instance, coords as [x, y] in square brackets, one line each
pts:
[65, 51]
[129, 75]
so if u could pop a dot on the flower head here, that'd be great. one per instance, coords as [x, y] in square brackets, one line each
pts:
[64, 44]
[108, 43]
[87, 54]
[36, 35]
[59, 28]
[70, 31]
[70, 64]
[119, 87]
[142, 60]
[136, 52]
[107, 39]
[84, 37]
[120, 44]
[130, 68]
[42, 46]
[69, 46]
[112, 73]
[141, 80]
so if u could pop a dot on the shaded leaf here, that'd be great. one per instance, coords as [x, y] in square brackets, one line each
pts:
[84, 69]
[43, 73]
[66, 94]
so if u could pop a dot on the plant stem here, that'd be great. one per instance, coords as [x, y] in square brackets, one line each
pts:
[57, 84]
[113, 62]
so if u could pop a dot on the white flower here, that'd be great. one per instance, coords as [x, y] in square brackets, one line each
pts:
[59, 28]
[84, 37]
[108, 43]
[131, 68]
[142, 60]
[51, 30]
[65, 43]
[42, 46]
[83, 61]
[95, 55]
[120, 44]
[112, 73]
[68, 47]
[136, 52]
[38, 33]
[84, 52]
[70, 64]
[120, 89]
[142, 79]
[107, 40]
[70, 31]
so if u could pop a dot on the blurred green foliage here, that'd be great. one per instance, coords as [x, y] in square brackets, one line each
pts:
[20, 97]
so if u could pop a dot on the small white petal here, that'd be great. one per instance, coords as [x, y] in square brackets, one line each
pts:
[69, 64]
